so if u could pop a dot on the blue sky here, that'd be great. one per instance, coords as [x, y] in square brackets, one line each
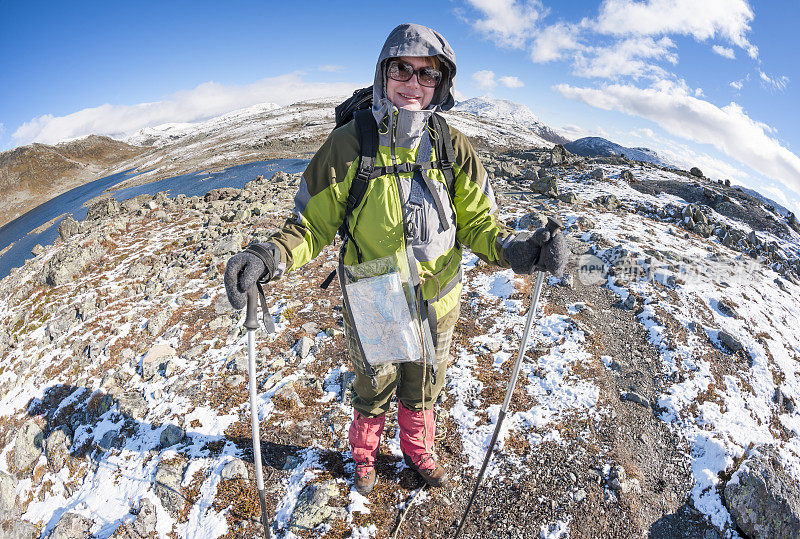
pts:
[712, 83]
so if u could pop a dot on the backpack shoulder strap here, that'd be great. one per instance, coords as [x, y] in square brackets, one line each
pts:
[445, 153]
[368, 144]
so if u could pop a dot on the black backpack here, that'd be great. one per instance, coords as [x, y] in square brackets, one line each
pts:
[359, 106]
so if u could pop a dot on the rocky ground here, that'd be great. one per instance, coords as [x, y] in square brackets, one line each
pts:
[658, 394]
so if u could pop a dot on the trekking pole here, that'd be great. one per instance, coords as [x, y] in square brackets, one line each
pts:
[552, 225]
[251, 324]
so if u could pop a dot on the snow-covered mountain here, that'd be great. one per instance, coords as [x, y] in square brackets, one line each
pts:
[598, 146]
[508, 112]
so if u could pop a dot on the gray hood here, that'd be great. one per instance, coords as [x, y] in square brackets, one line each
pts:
[415, 40]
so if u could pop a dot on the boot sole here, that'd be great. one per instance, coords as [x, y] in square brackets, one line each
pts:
[366, 490]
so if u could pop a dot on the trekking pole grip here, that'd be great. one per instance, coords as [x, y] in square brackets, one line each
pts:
[251, 319]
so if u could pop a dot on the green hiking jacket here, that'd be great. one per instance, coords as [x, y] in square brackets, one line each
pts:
[377, 224]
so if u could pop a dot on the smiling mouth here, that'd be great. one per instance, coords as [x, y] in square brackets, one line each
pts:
[411, 97]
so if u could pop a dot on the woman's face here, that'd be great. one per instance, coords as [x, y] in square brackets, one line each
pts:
[410, 94]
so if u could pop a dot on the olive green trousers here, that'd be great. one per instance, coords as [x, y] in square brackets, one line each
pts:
[411, 381]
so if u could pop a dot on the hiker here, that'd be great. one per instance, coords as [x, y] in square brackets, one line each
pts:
[405, 213]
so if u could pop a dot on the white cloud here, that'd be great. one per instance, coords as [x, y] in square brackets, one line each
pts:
[575, 132]
[776, 84]
[511, 82]
[484, 79]
[737, 84]
[553, 41]
[725, 52]
[331, 68]
[627, 58]
[205, 101]
[704, 19]
[728, 128]
[507, 22]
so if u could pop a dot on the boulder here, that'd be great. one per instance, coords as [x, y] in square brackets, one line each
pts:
[509, 170]
[70, 526]
[569, 197]
[144, 524]
[696, 172]
[169, 475]
[153, 360]
[726, 308]
[132, 405]
[102, 209]
[763, 499]
[69, 260]
[312, 507]
[68, 227]
[171, 435]
[532, 221]
[228, 245]
[156, 323]
[303, 346]
[223, 193]
[27, 447]
[558, 155]
[8, 495]
[627, 176]
[731, 343]
[597, 174]
[234, 469]
[56, 448]
[610, 202]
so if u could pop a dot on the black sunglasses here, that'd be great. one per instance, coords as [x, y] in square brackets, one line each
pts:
[402, 71]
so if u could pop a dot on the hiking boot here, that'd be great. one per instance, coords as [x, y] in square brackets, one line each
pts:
[417, 432]
[365, 438]
[365, 479]
[435, 476]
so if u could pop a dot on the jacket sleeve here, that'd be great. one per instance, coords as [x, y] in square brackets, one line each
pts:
[476, 208]
[319, 204]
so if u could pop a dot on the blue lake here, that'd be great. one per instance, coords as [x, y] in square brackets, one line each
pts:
[71, 202]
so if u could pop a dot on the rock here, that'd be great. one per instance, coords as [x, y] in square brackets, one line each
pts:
[584, 223]
[235, 380]
[493, 345]
[37, 249]
[69, 260]
[144, 524]
[532, 221]
[287, 397]
[157, 322]
[60, 324]
[68, 227]
[223, 193]
[132, 405]
[171, 435]
[627, 176]
[609, 202]
[312, 509]
[56, 448]
[102, 209]
[731, 343]
[696, 172]
[228, 245]
[569, 197]
[222, 305]
[579, 495]
[28, 446]
[544, 184]
[558, 154]
[239, 363]
[169, 475]
[509, 170]
[303, 346]
[8, 495]
[762, 498]
[597, 174]
[632, 396]
[234, 469]
[70, 526]
[153, 360]
[310, 328]
[630, 302]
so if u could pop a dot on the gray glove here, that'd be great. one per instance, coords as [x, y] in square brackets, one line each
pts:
[537, 251]
[256, 263]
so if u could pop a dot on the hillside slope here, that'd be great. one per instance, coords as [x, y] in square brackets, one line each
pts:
[665, 357]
